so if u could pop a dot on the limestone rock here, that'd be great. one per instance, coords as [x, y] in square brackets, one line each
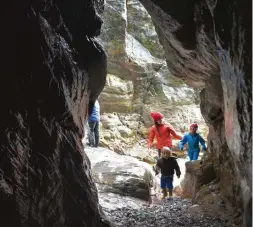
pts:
[124, 131]
[111, 202]
[117, 95]
[120, 174]
[140, 26]
[197, 175]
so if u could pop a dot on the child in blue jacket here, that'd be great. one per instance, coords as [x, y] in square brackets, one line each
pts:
[193, 139]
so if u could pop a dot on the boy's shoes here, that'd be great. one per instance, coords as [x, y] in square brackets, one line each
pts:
[170, 192]
[164, 196]
[164, 193]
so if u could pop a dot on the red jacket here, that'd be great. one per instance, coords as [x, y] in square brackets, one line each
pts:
[163, 136]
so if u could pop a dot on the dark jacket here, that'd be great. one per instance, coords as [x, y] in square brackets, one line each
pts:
[168, 166]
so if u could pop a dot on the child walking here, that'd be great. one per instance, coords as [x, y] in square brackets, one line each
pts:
[167, 165]
[193, 139]
[163, 132]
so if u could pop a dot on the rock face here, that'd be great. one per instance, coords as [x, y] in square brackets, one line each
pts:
[52, 70]
[197, 175]
[202, 186]
[208, 45]
[139, 81]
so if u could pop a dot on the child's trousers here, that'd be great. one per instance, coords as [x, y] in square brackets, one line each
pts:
[193, 155]
[167, 182]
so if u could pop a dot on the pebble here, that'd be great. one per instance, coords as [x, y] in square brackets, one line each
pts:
[169, 213]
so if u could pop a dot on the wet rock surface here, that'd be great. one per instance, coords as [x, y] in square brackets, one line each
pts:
[172, 212]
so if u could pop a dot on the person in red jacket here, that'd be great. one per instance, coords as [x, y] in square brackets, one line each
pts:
[163, 133]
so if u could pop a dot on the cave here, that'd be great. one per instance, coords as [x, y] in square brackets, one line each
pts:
[53, 70]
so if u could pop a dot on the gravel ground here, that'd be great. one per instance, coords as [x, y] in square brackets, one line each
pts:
[171, 213]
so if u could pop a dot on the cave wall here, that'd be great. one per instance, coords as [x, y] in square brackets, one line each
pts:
[52, 70]
[208, 45]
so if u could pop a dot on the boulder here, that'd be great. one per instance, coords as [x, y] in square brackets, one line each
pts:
[197, 175]
[119, 174]
[125, 131]
[111, 201]
[110, 121]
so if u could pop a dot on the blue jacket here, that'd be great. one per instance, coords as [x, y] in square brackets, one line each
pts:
[193, 142]
[95, 115]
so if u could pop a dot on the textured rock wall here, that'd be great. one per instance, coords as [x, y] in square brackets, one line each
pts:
[208, 44]
[52, 69]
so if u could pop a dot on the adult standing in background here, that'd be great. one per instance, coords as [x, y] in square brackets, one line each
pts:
[93, 121]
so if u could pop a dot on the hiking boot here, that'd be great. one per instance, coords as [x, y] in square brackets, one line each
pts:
[170, 192]
[164, 193]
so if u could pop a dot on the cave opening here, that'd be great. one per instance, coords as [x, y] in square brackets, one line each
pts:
[53, 69]
[139, 82]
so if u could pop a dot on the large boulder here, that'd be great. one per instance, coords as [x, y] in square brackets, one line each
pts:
[200, 183]
[119, 174]
[197, 175]
[111, 202]
[209, 45]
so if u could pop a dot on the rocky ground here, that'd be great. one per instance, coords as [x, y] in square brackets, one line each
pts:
[130, 195]
[171, 212]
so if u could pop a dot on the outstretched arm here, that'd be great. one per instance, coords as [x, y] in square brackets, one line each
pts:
[174, 133]
[151, 137]
[183, 142]
[202, 142]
